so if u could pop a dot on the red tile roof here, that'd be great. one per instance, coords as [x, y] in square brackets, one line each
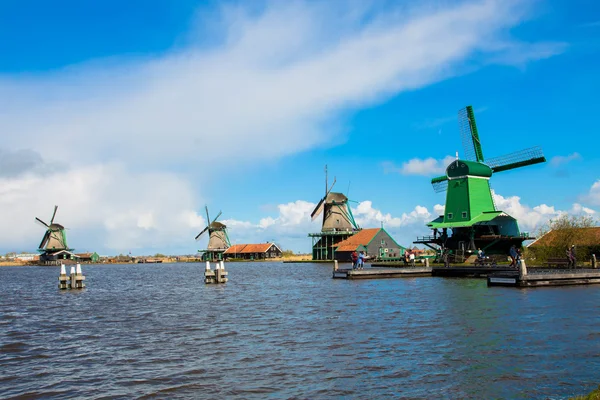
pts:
[361, 238]
[249, 248]
[236, 248]
[580, 237]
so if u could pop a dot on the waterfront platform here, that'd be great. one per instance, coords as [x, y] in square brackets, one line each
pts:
[470, 271]
[545, 277]
[377, 273]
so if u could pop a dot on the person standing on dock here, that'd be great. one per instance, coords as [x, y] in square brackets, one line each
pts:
[412, 259]
[446, 258]
[513, 256]
[361, 260]
[572, 257]
[354, 259]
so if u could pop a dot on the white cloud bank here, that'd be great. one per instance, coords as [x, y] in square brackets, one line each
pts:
[103, 207]
[282, 76]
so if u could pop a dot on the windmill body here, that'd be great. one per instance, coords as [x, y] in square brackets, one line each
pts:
[54, 246]
[471, 219]
[338, 224]
[218, 240]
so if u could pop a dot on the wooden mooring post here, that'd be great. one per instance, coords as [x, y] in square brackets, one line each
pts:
[221, 274]
[209, 275]
[63, 279]
[522, 269]
[594, 262]
[79, 278]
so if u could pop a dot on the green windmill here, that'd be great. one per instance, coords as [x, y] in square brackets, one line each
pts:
[470, 211]
[218, 240]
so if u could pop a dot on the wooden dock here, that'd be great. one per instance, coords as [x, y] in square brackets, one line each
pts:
[470, 271]
[538, 278]
[377, 273]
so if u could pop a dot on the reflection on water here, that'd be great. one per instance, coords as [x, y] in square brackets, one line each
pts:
[289, 330]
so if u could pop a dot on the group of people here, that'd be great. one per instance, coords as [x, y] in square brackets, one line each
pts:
[358, 260]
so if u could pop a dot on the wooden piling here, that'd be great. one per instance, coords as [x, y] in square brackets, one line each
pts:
[522, 269]
[63, 278]
[79, 278]
[209, 275]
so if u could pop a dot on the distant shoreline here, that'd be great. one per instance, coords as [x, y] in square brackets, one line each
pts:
[166, 260]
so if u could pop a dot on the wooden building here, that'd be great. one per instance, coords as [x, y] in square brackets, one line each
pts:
[252, 251]
[88, 257]
[375, 242]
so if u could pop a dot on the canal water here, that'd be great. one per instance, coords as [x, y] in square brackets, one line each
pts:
[290, 331]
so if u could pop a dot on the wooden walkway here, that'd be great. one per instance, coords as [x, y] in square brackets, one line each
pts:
[557, 277]
[377, 273]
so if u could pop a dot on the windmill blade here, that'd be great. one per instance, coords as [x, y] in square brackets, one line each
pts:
[318, 209]
[530, 156]
[440, 184]
[469, 135]
[330, 188]
[44, 240]
[39, 221]
[217, 217]
[207, 217]
[200, 234]
[53, 215]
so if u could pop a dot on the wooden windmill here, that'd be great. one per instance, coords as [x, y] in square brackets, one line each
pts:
[218, 240]
[54, 242]
[470, 211]
[338, 222]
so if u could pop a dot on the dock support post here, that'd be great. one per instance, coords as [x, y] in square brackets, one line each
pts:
[220, 273]
[72, 277]
[427, 262]
[79, 278]
[209, 275]
[522, 269]
[63, 279]
[594, 262]
[335, 265]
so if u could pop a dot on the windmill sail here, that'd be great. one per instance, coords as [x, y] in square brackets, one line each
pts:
[469, 135]
[530, 156]
[318, 209]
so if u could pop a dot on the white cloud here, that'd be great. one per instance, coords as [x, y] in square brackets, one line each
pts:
[418, 166]
[532, 218]
[368, 217]
[282, 76]
[104, 208]
[279, 76]
[593, 196]
[439, 209]
[557, 161]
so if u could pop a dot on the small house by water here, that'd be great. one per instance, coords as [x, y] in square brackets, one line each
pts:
[375, 242]
[253, 251]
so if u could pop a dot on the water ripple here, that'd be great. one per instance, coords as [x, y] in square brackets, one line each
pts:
[290, 331]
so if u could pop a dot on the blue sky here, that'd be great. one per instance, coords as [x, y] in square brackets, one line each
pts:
[132, 116]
